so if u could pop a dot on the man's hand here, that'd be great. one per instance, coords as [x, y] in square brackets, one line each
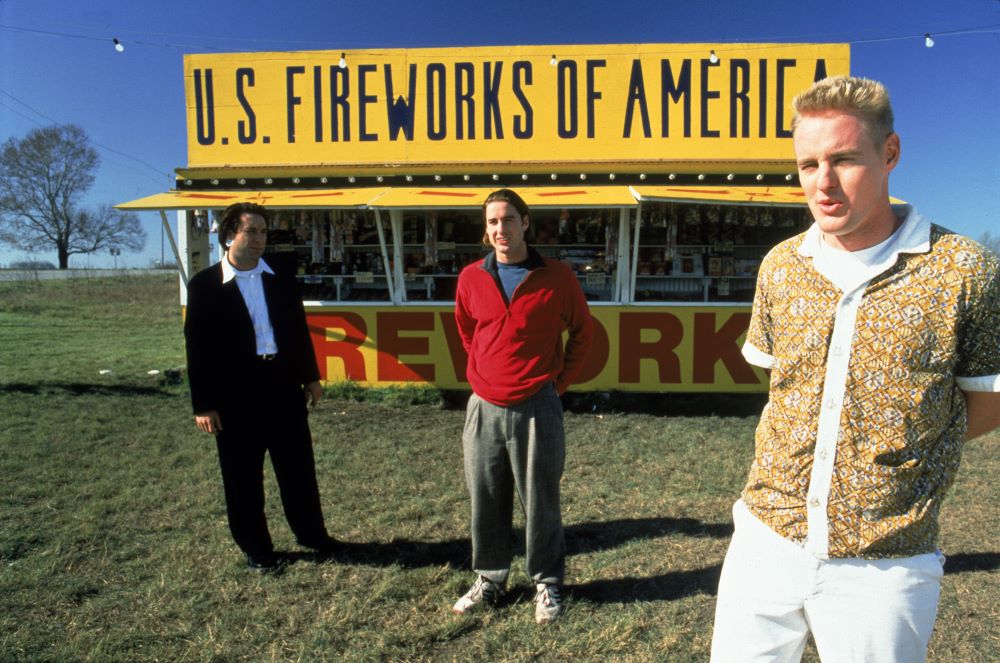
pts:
[208, 422]
[313, 392]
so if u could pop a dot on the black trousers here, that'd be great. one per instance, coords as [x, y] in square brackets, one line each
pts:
[274, 421]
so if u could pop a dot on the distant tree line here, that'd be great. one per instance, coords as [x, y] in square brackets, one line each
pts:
[32, 265]
[990, 241]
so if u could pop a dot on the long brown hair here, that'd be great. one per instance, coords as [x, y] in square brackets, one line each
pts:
[507, 196]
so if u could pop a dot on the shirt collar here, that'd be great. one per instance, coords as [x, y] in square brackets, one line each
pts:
[533, 261]
[229, 272]
[913, 236]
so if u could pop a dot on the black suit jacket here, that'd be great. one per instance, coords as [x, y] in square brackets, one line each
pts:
[222, 348]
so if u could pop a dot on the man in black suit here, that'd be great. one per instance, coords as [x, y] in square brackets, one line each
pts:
[252, 371]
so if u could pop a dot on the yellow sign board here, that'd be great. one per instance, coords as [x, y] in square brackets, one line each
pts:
[636, 348]
[529, 106]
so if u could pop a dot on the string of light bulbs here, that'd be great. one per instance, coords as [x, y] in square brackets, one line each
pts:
[928, 39]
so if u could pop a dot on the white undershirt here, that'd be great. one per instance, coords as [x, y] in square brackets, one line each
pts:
[848, 270]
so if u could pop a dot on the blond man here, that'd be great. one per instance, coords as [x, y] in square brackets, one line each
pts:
[881, 333]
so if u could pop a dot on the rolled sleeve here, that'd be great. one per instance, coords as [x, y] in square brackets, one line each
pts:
[756, 357]
[758, 348]
[978, 366]
[982, 383]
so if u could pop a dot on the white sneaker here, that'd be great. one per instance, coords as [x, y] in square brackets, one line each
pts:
[483, 591]
[548, 603]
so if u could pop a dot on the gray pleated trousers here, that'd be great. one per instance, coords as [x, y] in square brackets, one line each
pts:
[522, 446]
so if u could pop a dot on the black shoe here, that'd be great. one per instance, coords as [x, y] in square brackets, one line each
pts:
[262, 563]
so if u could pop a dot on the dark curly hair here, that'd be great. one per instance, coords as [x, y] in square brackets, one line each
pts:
[230, 222]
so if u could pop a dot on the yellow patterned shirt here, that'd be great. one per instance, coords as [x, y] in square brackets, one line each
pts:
[862, 434]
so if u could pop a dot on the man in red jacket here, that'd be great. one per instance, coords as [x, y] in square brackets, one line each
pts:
[512, 308]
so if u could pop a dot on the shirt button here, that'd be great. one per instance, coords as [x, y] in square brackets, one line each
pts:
[822, 454]
[831, 403]
[814, 502]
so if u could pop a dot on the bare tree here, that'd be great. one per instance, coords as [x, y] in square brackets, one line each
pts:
[42, 178]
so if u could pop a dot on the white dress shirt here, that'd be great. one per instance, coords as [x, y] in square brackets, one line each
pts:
[251, 286]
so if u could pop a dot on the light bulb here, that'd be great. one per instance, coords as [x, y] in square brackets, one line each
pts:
[553, 60]
[121, 47]
[342, 63]
[712, 57]
[928, 42]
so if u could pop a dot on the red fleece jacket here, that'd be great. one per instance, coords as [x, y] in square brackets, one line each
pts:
[515, 349]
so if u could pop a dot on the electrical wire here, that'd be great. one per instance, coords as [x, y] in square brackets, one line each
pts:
[978, 29]
[89, 139]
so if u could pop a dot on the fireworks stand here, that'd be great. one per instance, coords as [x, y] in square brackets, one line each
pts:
[661, 173]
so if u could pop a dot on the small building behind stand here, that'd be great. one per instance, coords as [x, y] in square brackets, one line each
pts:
[661, 173]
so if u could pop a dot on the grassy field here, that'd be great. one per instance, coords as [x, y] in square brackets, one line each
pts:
[114, 545]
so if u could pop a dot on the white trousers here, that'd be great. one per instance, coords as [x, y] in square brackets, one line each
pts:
[772, 593]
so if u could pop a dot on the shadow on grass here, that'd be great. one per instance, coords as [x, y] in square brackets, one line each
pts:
[656, 404]
[666, 405]
[966, 562]
[83, 388]
[596, 536]
[580, 538]
[679, 584]
[666, 587]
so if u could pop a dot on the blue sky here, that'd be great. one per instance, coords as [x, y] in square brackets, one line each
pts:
[58, 64]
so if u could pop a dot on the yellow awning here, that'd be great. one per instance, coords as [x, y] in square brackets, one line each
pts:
[294, 199]
[469, 197]
[754, 195]
[548, 196]
[758, 195]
